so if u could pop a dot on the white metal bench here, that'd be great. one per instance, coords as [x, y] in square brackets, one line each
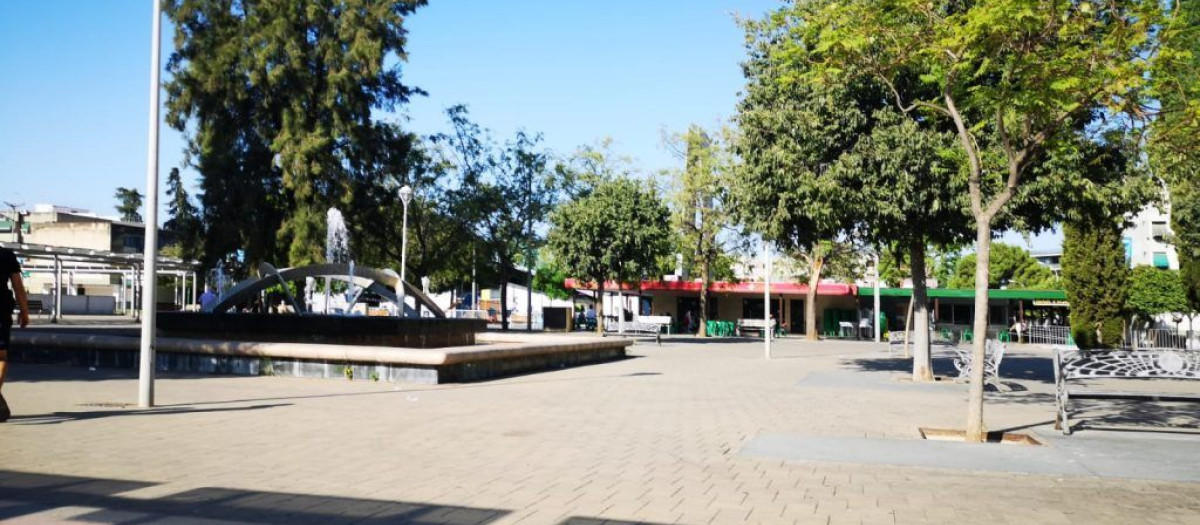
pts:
[636, 327]
[1075, 365]
[662, 321]
[756, 325]
[897, 338]
[994, 354]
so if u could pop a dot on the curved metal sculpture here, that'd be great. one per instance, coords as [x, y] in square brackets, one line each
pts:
[373, 279]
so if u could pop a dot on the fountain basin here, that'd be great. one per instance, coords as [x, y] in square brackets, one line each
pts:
[496, 355]
[423, 332]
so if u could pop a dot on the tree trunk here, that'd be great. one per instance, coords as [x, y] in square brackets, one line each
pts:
[529, 303]
[922, 356]
[620, 309]
[600, 306]
[702, 331]
[504, 301]
[976, 431]
[810, 301]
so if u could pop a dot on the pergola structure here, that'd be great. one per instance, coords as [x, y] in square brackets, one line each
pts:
[59, 260]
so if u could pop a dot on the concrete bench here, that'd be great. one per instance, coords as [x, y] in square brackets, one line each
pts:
[1071, 366]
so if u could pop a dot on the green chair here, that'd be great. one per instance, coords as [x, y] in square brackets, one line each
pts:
[1003, 336]
[968, 336]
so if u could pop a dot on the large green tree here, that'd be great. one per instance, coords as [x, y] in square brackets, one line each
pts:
[504, 194]
[1016, 78]
[700, 200]
[1095, 272]
[895, 178]
[790, 133]
[439, 239]
[1009, 267]
[276, 98]
[617, 231]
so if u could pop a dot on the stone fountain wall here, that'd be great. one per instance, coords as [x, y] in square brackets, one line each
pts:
[322, 329]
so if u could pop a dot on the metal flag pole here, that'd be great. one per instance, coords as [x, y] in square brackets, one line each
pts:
[146, 365]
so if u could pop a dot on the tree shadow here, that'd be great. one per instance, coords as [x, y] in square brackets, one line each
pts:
[1134, 415]
[1022, 368]
[55, 418]
[25, 494]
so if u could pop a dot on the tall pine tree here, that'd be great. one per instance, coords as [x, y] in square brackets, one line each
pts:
[1096, 278]
[183, 219]
[277, 97]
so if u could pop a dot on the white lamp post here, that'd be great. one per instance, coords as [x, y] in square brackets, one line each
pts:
[875, 322]
[767, 300]
[146, 358]
[405, 196]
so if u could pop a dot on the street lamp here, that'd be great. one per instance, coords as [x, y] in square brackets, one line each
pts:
[405, 196]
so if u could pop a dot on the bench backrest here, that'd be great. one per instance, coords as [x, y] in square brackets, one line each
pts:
[655, 319]
[753, 323]
[1085, 364]
[995, 352]
[897, 337]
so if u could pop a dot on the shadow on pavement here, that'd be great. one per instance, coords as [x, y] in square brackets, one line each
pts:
[1040, 369]
[578, 520]
[1135, 415]
[66, 417]
[23, 494]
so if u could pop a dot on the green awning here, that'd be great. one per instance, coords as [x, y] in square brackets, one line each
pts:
[956, 293]
[1161, 261]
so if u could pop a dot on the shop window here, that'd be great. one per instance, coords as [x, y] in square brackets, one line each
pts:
[945, 313]
[964, 314]
[998, 314]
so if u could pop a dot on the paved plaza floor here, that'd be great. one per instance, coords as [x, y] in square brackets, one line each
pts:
[690, 432]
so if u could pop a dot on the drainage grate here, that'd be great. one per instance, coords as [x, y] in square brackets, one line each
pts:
[108, 405]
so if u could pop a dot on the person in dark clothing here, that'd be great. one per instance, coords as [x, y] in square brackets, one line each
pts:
[13, 294]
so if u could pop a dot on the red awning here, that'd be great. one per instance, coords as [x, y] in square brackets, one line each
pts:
[756, 287]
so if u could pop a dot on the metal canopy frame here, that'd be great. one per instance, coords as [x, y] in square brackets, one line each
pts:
[58, 259]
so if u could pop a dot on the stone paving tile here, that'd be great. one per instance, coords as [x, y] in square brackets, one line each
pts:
[654, 439]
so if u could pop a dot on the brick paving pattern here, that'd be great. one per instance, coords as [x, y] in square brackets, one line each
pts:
[651, 439]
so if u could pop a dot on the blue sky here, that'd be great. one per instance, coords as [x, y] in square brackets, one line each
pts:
[74, 93]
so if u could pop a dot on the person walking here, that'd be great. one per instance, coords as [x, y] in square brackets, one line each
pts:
[12, 295]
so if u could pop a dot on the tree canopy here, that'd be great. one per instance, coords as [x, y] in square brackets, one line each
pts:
[617, 232]
[1154, 291]
[700, 201]
[129, 204]
[276, 98]
[1017, 79]
[1010, 267]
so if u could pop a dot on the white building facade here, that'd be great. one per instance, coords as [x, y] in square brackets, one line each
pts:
[1146, 241]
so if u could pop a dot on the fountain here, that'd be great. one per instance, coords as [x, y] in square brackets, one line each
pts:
[314, 341]
[337, 251]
